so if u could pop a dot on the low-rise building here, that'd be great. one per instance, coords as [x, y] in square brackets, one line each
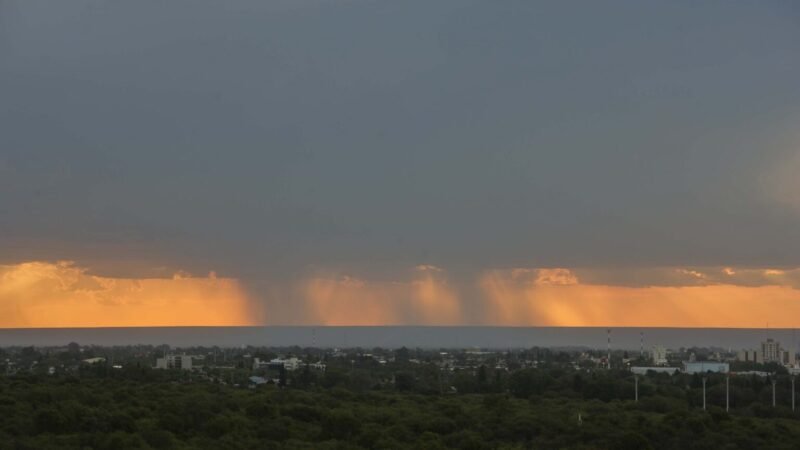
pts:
[288, 363]
[97, 360]
[657, 369]
[259, 364]
[319, 365]
[705, 366]
[748, 373]
[748, 355]
[172, 361]
[256, 381]
[276, 363]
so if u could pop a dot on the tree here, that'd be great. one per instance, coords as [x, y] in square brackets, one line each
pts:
[282, 376]
[404, 381]
[483, 379]
[402, 355]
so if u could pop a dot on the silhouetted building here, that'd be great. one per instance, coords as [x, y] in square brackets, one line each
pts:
[659, 355]
[705, 366]
[172, 361]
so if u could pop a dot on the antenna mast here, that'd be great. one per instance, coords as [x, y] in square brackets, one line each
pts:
[641, 344]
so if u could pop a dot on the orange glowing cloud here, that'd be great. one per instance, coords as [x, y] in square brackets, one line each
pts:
[514, 300]
[434, 300]
[653, 297]
[427, 299]
[41, 294]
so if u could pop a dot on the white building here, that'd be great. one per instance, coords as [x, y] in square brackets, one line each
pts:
[748, 373]
[256, 381]
[259, 364]
[748, 355]
[691, 367]
[94, 360]
[319, 365]
[659, 369]
[171, 361]
[659, 354]
[287, 363]
[788, 358]
[770, 351]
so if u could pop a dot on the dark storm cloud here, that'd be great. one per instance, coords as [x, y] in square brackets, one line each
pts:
[262, 139]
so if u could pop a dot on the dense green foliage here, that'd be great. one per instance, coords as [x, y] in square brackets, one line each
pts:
[530, 408]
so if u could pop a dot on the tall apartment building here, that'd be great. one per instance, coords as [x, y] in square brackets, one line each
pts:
[172, 361]
[659, 355]
[770, 351]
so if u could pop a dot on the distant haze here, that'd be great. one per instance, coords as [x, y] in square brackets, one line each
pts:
[630, 339]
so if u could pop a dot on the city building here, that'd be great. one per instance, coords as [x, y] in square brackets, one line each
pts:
[94, 360]
[659, 355]
[748, 355]
[788, 358]
[259, 364]
[748, 373]
[287, 363]
[659, 369]
[172, 361]
[256, 381]
[319, 365]
[691, 367]
[770, 351]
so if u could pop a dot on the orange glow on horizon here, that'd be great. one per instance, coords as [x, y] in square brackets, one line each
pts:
[510, 301]
[425, 300]
[60, 295]
[42, 295]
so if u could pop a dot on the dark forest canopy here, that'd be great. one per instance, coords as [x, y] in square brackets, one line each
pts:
[139, 407]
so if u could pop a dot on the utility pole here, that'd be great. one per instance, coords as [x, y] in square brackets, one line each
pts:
[773, 392]
[608, 349]
[727, 392]
[792, 393]
[704, 393]
[636, 387]
[641, 344]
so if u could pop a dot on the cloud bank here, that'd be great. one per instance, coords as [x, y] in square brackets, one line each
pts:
[64, 294]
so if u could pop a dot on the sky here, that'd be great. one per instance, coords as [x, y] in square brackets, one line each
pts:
[348, 162]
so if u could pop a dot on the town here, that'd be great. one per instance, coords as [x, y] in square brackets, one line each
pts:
[249, 365]
[141, 396]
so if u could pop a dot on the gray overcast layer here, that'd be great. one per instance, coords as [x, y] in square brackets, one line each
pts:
[263, 139]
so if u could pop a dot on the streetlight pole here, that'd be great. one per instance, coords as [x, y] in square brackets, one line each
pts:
[727, 393]
[773, 392]
[704, 393]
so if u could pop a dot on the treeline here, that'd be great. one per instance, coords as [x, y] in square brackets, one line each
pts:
[553, 407]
